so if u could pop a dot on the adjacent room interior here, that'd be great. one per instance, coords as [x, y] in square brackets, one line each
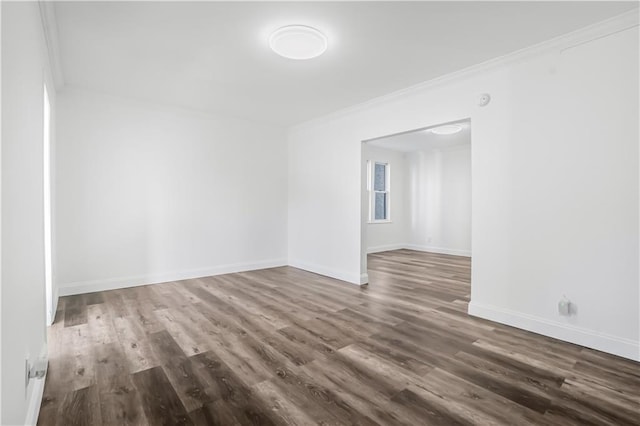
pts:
[417, 198]
[418, 190]
[297, 213]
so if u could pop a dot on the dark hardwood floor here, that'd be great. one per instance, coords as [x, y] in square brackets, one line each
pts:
[286, 347]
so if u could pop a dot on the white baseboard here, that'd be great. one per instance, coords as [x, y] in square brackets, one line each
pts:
[138, 280]
[34, 400]
[388, 247]
[54, 311]
[56, 301]
[356, 279]
[440, 250]
[430, 249]
[615, 345]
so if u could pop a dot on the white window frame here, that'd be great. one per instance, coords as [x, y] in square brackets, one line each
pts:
[372, 193]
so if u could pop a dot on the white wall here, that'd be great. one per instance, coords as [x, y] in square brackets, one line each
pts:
[147, 193]
[0, 212]
[382, 236]
[555, 184]
[438, 186]
[24, 65]
[325, 202]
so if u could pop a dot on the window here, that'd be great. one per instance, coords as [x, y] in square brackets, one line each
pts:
[379, 193]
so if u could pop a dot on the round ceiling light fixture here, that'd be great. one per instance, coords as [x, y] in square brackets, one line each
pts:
[298, 42]
[447, 129]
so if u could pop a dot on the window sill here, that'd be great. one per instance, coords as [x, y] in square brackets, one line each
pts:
[373, 222]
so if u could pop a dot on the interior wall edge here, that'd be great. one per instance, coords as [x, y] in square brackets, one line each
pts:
[626, 348]
[25, 68]
[35, 401]
[0, 210]
[56, 297]
[356, 279]
[50, 32]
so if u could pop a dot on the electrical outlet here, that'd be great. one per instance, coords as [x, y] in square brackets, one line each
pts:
[565, 307]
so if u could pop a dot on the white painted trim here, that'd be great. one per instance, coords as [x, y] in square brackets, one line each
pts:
[50, 31]
[138, 280]
[558, 44]
[356, 279]
[0, 212]
[56, 296]
[428, 249]
[158, 106]
[35, 400]
[388, 247]
[620, 346]
[440, 250]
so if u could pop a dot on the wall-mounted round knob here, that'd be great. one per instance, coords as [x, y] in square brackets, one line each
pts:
[484, 99]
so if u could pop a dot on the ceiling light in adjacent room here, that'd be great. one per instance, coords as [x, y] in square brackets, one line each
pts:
[298, 42]
[448, 129]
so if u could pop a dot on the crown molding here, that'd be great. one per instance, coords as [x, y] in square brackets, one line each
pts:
[598, 30]
[50, 30]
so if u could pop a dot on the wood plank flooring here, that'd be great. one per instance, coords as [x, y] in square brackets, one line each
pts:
[287, 347]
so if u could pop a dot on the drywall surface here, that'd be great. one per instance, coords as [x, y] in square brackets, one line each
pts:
[382, 236]
[24, 69]
[438, 185]
[147, 193]
[0, 213]
[555, 184]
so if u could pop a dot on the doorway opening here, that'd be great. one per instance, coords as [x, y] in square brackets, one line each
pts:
[46, 186]
[416, 193]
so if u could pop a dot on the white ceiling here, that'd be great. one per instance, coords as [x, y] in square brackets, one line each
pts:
[213, 56]
[424, 140]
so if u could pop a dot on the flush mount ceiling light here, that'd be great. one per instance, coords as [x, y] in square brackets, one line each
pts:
[448, 129]
[298, 42]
